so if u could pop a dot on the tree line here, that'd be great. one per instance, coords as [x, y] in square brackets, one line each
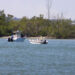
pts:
[36, 26]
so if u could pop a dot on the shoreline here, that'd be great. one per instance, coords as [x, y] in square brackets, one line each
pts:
[6, 37]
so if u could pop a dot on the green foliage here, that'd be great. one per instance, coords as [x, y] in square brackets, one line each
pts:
[36, 26]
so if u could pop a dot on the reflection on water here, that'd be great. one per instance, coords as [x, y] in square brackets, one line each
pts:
[22, 58]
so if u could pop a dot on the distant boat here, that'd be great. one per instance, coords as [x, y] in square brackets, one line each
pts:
[38, 41]
[16, 37]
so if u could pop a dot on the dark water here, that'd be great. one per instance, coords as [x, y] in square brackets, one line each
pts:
[23, 58]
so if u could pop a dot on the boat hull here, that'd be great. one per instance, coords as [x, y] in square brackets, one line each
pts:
[19, 40]
[16, 40]
[38, 41]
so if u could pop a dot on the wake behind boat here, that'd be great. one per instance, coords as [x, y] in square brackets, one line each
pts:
[16, 37]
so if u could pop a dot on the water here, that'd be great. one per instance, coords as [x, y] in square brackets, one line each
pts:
[22, 58]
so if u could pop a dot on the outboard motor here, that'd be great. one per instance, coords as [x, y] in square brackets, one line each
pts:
[10, 40]
[45, 42]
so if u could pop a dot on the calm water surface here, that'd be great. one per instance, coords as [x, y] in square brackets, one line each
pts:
[22, 58]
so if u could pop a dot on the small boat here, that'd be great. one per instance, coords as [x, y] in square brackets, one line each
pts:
[16, 37]
[38, 41]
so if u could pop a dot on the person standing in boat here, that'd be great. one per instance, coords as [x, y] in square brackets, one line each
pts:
[11, 36]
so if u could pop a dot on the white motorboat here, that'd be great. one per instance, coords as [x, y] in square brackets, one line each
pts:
[16, 37]
[38, 41]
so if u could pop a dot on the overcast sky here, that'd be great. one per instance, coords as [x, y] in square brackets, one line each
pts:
[29, 8]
